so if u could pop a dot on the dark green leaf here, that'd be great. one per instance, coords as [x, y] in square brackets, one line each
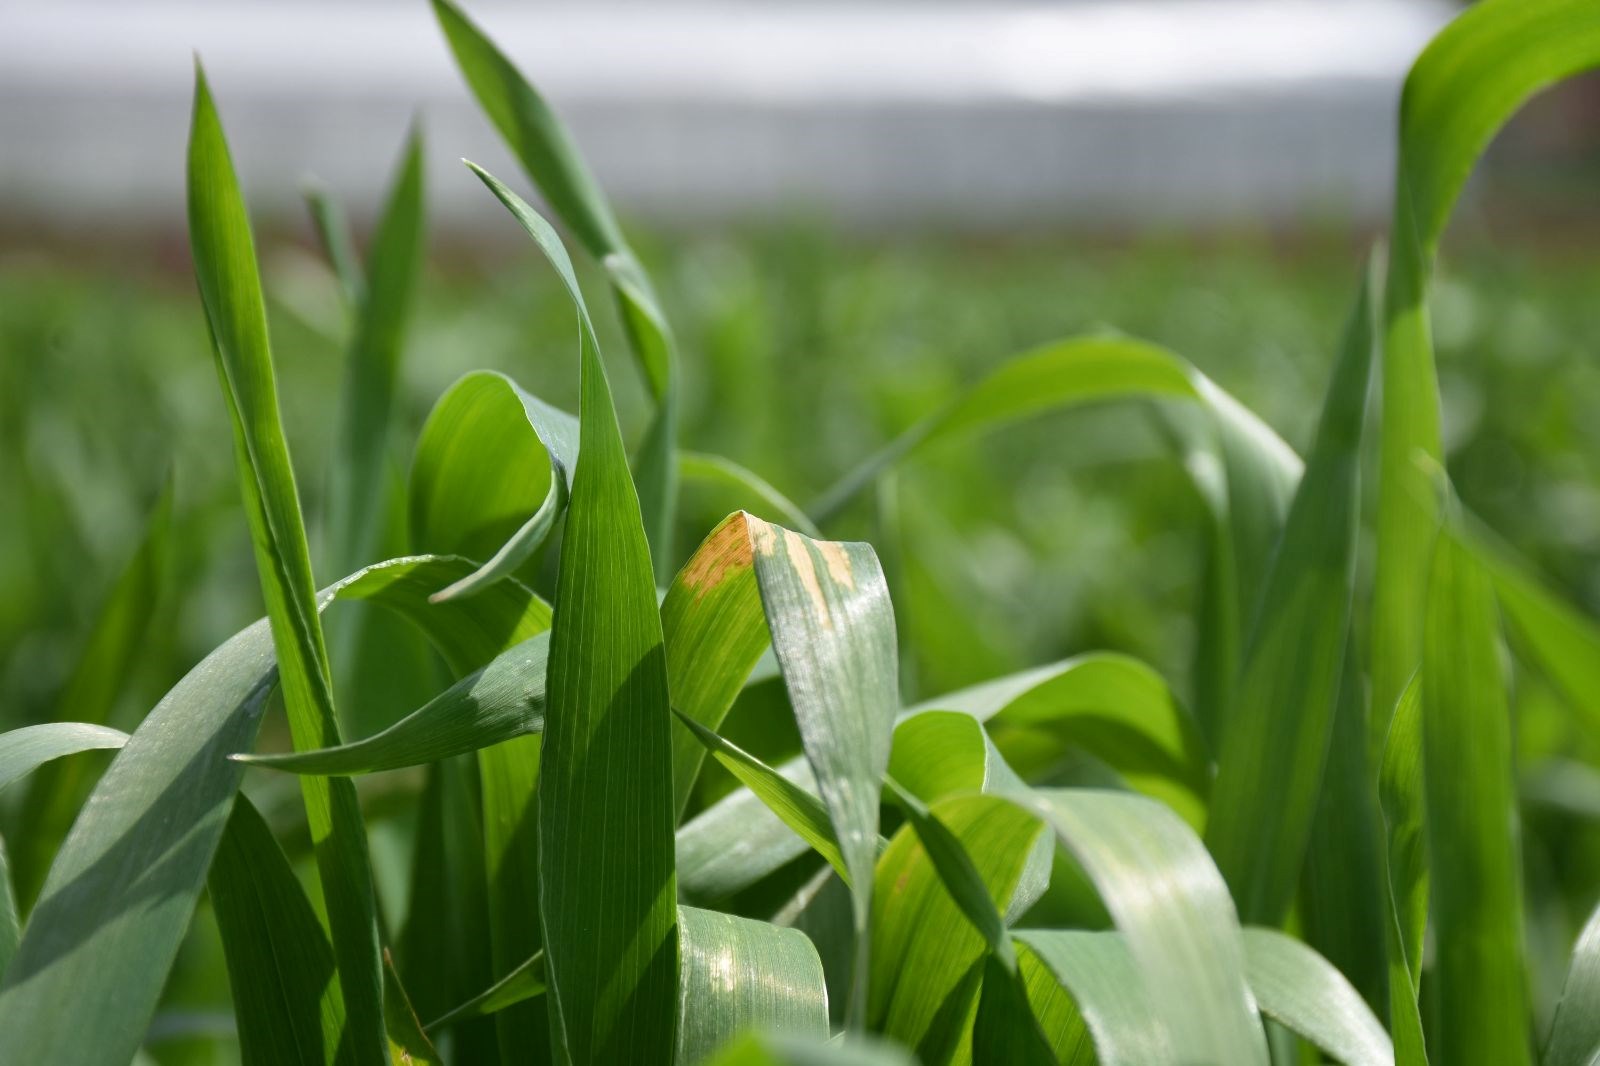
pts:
[738, 974]
[230, 289]
[1461, 90]
[285, 992]
[1404, 862]
[124, 884]
[1275, 741]
[359, 473]
[611, 940]
[1471, 804]
[502, 701]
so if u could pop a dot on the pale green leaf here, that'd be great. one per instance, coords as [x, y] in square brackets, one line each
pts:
[1299, 989]
[1114, 1005]
[1575, 1033]
[737, 974]
[1170, 902]
[832, 627]
[24, 750]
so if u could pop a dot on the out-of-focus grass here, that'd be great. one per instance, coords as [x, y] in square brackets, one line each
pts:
[104, 382]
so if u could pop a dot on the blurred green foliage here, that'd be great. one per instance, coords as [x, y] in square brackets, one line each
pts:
[804, 350]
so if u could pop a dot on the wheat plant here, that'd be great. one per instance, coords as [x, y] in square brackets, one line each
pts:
[1313, 855]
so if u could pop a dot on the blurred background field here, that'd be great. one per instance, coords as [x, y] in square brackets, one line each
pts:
[804, 350]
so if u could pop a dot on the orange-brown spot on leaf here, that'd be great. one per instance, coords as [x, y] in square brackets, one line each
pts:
[726, 551]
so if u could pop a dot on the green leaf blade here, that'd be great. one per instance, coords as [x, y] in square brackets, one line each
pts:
[1300, 989]
[610, 932]
[1471, 808]
[1275, 741]
[280, 965]
[230, 289]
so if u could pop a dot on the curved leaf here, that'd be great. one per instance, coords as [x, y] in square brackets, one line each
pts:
[24, 750]
[482, 484]
[801, 811]
[832, 628]
[1185, 937]
[1066, 373]
[734, 973]
[1112, 1002]
[924, 987]
[1575, 1033]
[500, 702]
[1240, 468]
[523, 983]
[826, 609]
[1466, 84]
[551, 159]
[1114, 706]
[1300, 989]
[1110, 706]
[760, 495]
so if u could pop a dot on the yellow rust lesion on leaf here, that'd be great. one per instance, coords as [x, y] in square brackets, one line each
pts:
[799, 558]
[838, 561]
[725, 552]
[765, 539]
